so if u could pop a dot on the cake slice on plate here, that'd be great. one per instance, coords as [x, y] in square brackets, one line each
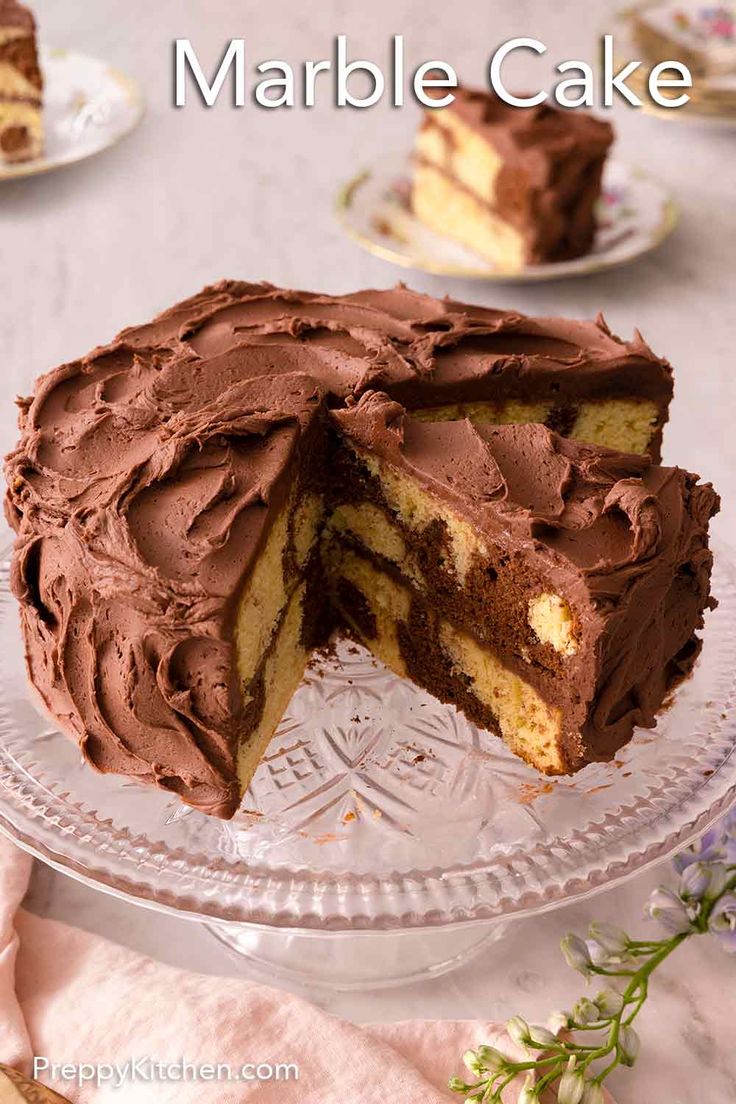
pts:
[518, 186]
[550, 589]
[21, 85]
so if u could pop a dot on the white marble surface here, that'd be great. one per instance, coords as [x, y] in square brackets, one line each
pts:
[196, 195]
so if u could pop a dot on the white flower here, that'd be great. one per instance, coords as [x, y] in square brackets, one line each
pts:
[491, 1058]
[472, 1062]
[628, 1045]
[610, 1002]
[572, 1085]
[611, 938]
[559, 1021]
[666, 907]
[541, 1035]
[577, 954]
[593, 1094]
[585, 1012]
[518, 1030]
[703, 879]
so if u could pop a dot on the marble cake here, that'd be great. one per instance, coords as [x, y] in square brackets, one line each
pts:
[518, 186]
[21, 85]
[201, 502]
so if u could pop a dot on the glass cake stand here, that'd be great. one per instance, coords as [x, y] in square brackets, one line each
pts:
[384, 837]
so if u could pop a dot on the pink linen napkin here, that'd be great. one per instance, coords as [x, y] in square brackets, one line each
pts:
[74, 998]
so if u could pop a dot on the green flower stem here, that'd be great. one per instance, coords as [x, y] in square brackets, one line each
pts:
[631, 961]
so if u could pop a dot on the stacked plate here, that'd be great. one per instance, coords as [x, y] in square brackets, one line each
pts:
[713, 95]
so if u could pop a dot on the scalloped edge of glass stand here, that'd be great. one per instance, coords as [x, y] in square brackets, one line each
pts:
[267, 897]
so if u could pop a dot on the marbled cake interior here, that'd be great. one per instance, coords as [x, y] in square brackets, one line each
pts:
[21, 85]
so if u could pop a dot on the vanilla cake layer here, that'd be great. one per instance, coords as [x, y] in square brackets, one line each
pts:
[21, 85]
[451, 210]
[281, 616]
[512, 565]
[628, 425]
[269, 692]
[517, 186]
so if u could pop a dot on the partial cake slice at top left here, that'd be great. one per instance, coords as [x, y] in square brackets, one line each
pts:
[21, 85]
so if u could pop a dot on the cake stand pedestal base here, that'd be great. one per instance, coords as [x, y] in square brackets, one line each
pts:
[348, 961]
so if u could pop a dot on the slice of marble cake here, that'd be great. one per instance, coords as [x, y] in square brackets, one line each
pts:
[550, 589]
[518, 186]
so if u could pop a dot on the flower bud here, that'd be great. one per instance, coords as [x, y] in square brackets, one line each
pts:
[559, 1021]
[611, 938]
[572, 1085]
[528, 1094]
[518, 1030]
[456, 1084]
[722, 921]
[695, 881]
[491, 1059]
[609, 1002]
[585, 1012]
[703, 879]
[628, 1045]
[719, 876]
[593, 1094]
[541, 1035]
[668, 909]
[577, 954]
[472, 1062]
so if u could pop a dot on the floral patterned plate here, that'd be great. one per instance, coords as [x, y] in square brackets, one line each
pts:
[88, 107]
[636, 214]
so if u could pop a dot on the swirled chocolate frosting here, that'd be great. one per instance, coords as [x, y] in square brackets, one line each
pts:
[147, 474]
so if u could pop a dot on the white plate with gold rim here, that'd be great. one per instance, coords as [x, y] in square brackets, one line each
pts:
[88, 107]
[636, 213]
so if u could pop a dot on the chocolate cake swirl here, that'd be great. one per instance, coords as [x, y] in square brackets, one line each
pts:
[155, 478]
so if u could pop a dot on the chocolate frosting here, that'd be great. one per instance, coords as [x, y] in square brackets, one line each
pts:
[551, 173]
[608, 531]
[421, 350]
[141, 487]
[13, 14]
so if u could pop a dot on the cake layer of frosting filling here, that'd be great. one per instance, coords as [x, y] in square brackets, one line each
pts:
[516, 185]
[530, 567]
[21, 85]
